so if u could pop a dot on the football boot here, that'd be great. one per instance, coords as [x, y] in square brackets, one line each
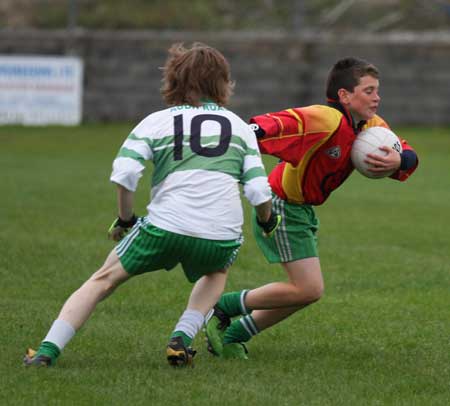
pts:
[33, 359]
[178, 354]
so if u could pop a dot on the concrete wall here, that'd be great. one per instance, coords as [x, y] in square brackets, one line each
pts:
[273, 70]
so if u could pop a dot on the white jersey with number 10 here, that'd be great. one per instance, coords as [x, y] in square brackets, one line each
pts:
[200, 155]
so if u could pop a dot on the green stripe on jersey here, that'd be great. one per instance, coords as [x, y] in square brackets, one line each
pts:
[129, 153]
[230, 162]
[134, 137]
[253, 173]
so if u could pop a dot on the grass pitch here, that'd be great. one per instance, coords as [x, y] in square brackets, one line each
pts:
[379, 336]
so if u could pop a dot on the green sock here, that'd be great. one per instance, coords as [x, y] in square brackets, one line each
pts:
[49, 349]
[186, 339]
[233, 303]
[241, 330]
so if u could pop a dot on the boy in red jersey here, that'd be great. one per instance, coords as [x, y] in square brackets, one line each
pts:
[314, 145]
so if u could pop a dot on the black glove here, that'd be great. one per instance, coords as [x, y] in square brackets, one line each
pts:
[269, 227]
[119, 228]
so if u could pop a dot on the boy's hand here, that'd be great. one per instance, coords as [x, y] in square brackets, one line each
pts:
[270, 226]
[119, 228]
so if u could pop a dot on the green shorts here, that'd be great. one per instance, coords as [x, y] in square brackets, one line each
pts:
[296, 236]
[147, 248]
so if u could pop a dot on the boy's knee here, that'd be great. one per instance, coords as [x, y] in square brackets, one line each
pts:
[310, 293]
[107, 278]
[316, 292]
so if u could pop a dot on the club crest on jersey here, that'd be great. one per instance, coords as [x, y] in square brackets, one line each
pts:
[334, 152]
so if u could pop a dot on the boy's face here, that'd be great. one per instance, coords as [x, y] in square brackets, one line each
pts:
[363, 102]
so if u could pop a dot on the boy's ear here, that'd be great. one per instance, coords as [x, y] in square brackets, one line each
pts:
[343, 95]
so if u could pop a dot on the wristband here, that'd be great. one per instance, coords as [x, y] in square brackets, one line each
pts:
[126, 224]
[408, 160]
[259, 132]
[118, 222]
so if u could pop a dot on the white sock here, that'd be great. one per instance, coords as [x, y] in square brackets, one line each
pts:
[242, 302]
[208, 316]
[190, 323]
[249, 324]
[60, 333]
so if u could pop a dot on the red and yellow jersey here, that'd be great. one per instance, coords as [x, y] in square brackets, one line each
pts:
[314, 144]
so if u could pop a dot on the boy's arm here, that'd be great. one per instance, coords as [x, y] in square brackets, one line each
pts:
[291, 133]
[126, 219]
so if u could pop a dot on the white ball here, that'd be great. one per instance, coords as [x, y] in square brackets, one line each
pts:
[368, 142]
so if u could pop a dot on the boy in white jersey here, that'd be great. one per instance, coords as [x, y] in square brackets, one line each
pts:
[200, 152]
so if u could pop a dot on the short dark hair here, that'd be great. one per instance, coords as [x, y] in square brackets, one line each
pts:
[192, 75]
[346, 74]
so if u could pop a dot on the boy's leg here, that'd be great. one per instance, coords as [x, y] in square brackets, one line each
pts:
[77, 309]
[205, 293]
[100, 285]
[294, 245]
[233, 303]
[272, 303]
[204, 262]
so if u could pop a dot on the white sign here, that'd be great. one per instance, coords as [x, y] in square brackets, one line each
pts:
[40, 90]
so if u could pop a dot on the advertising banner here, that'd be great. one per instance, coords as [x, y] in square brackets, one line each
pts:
[40, 90]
